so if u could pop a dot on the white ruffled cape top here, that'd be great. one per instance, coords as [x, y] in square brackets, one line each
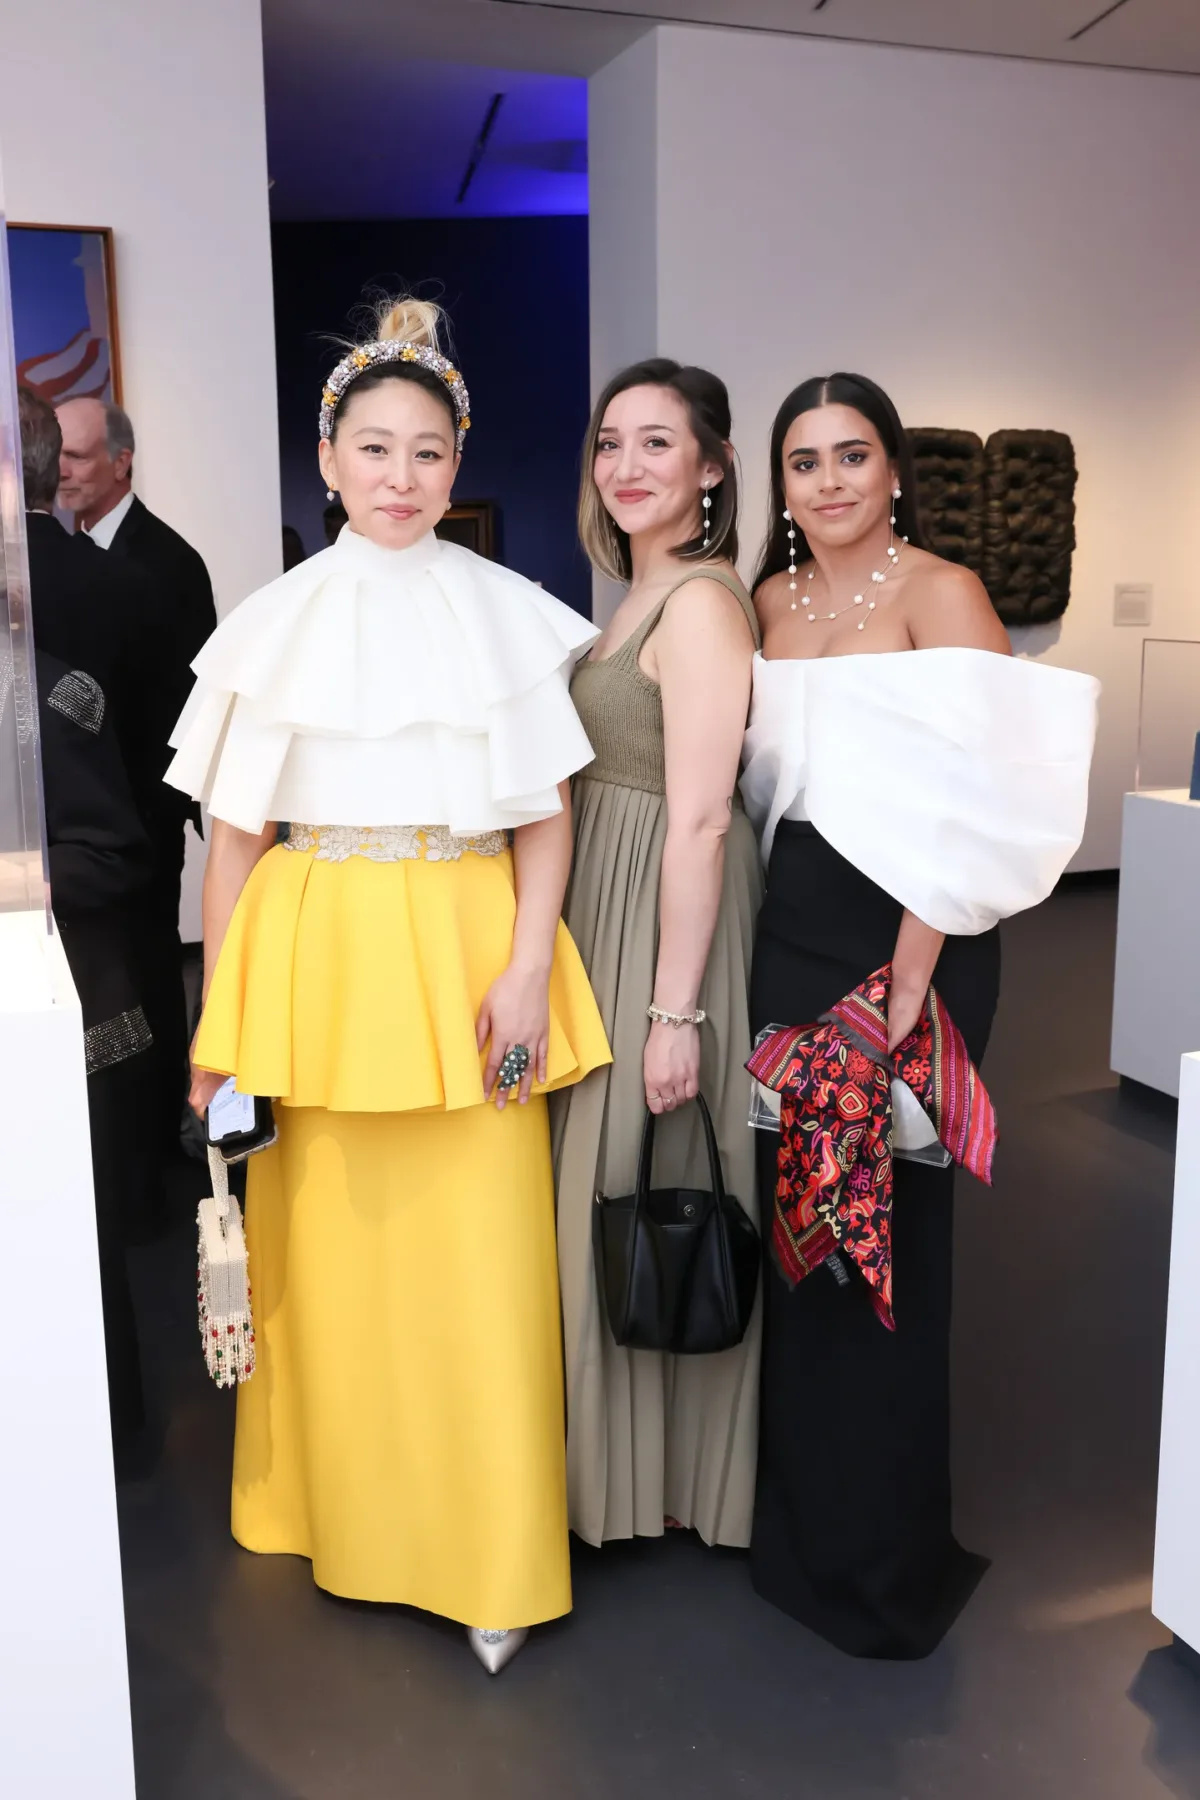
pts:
[955, 779]
[424, 686]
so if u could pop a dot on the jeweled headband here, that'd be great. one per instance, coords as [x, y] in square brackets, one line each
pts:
[386, 350]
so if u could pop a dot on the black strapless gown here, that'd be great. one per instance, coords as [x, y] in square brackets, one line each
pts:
[852, 1530]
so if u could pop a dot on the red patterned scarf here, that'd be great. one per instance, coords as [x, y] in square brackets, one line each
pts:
[835, 1149]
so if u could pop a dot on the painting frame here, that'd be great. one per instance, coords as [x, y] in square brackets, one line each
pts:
[51, 387]
[473, 525]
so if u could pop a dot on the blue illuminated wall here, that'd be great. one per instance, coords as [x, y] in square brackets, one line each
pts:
[516, 290]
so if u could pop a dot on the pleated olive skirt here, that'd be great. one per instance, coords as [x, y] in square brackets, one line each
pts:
[651, 1435]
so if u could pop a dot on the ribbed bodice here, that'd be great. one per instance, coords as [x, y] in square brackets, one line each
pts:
[621, 707]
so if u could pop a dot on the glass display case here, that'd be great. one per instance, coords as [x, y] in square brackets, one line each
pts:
[1168, 714]
[24, 888]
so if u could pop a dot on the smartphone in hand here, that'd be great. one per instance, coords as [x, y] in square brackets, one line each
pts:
[239, 1124]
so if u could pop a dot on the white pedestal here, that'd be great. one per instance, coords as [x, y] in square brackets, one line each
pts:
[64, 1689]
[1176, 1599]
[1156, 997]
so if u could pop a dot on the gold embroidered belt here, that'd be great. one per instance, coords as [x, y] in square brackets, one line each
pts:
[391, 843]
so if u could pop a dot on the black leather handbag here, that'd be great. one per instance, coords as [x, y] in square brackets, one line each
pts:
[678, 1266]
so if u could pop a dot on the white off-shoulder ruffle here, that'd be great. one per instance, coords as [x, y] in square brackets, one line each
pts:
[954, 779]
[367, 686]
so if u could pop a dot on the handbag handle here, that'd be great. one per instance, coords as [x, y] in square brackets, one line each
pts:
[641, 1189]
[646, 1155]
[218, 1170]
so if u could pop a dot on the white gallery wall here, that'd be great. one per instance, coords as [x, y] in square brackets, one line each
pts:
[999, 243]
[149, 117]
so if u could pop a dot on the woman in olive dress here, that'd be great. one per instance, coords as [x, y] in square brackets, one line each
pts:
[664, 890]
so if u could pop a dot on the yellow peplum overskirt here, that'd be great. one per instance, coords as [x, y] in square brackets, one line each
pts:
[404, 1427]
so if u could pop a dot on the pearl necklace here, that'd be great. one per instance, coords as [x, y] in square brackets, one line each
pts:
[878, 577]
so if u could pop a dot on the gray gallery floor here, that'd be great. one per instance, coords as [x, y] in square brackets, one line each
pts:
[672, 1678]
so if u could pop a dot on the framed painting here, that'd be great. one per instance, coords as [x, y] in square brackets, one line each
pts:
[64, 305]
[471, 523]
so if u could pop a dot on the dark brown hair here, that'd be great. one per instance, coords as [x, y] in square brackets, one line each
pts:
[41, 448]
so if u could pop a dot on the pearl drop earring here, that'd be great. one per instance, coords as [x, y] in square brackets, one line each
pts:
[892, 551]
[707, 507]
[792, 561]
[330, 494]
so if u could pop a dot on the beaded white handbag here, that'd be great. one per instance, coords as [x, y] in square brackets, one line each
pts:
[223, 1282]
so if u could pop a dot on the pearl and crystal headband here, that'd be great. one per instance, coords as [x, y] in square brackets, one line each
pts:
[386, 350]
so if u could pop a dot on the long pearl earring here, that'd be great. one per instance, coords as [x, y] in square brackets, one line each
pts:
[707, 508]
[792, 562]
[892, 551]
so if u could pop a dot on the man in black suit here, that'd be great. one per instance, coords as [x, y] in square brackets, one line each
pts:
[99, 860]
[89, 613]
[92, 612]
[97, 486]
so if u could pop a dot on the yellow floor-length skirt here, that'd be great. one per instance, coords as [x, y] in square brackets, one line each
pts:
[404, 1427]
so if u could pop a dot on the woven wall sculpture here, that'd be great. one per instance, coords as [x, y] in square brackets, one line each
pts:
[1029, 524]
[1005, 509]
[950, 493]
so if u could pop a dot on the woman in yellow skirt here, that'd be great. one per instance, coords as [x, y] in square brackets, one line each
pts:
[396, 975]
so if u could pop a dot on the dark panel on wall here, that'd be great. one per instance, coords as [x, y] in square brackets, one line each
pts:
[949, 468]
[516, 291]
[1029, 524]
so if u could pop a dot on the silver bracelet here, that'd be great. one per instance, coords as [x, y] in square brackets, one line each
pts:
[662, 1017]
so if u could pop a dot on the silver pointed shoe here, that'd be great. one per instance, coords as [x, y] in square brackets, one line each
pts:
[496, 1649]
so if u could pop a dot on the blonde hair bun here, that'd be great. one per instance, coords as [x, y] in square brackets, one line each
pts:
[405, 320]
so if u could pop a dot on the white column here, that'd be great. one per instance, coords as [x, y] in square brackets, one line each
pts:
[623, 136]
[623, 251]
[64, 1689]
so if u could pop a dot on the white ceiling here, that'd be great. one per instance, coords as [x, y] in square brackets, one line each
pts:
[576, 37]
[336, 40]
[373, 105]
[1141, 34]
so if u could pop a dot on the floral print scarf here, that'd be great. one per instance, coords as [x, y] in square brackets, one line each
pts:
[834, 1079]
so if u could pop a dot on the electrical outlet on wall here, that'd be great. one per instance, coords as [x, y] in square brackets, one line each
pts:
[1133, 603]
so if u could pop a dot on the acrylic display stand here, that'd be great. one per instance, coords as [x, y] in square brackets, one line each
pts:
[1156, 997]
[1156, 992]
[1176, 1597]
[64, 1686]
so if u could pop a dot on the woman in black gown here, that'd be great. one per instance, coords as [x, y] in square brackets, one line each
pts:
[912, 784]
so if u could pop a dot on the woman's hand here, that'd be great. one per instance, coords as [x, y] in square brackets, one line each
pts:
[918, 947]
[671, 1066]
[205, 1083]
[905, 1003]
[515, 1010]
